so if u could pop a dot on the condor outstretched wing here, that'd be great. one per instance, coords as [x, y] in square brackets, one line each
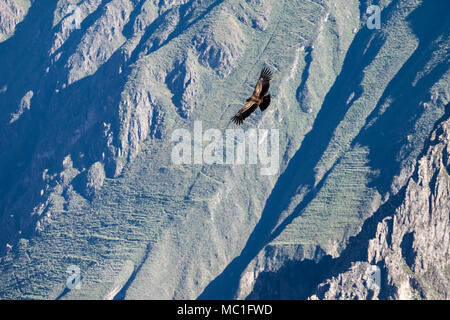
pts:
[262, 87]
[245, 111]
[266, 101]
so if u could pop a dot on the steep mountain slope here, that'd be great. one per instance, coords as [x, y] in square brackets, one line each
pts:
[406, 239]
[91, 92]
[411, 242]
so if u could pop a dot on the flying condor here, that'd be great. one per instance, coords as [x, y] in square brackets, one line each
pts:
[259, 98]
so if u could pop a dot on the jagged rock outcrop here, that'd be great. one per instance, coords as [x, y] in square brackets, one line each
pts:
[411, 245]
[11, 13]
[140, 116]
[256, 13]
[99, 41]
[94, 179]
[184, 83]
[91, 91]
[220, 46]
[361, 282]
[24, 105]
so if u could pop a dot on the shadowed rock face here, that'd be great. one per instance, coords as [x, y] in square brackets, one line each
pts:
[183, 81]
[411, 242]
[12, 13]
[91, 91]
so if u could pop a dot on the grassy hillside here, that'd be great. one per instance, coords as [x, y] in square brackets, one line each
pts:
[353, 106]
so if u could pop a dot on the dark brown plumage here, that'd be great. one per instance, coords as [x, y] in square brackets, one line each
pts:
[259, 98]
